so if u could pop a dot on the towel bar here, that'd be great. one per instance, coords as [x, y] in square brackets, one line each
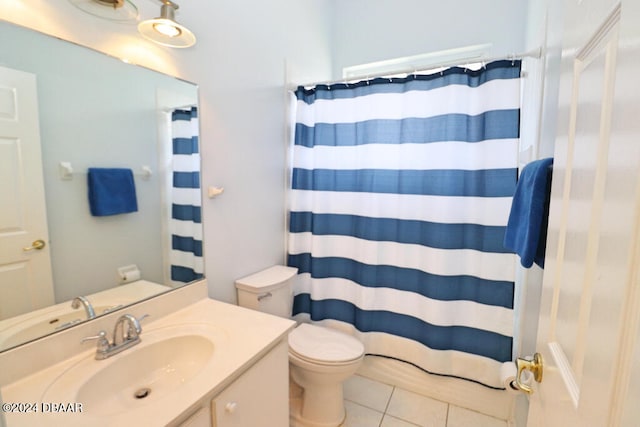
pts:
[66, 171]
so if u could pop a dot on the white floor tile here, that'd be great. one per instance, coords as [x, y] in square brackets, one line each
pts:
[366, 392]
[417, 409]
[361, 416]
[389, 421]
[460, 417]
[372, 404]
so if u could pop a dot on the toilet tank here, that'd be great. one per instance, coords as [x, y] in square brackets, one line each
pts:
[269, 291]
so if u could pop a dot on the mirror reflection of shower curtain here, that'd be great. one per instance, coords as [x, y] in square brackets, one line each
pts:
[186, 214]
[401, 191]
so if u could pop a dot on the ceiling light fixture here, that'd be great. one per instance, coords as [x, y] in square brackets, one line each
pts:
[165, 30]
[113, 10]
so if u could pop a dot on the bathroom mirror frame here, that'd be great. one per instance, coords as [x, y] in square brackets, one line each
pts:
[71, 192]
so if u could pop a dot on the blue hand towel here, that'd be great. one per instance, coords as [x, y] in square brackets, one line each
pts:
[526, 232]
[111, 191]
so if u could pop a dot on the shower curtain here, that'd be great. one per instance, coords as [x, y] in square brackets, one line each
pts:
[186, 222]
[401, 190]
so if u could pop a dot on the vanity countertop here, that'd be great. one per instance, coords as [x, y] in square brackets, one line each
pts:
[240, 336]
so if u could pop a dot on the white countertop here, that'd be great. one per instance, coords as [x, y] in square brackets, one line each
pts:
[241, 337]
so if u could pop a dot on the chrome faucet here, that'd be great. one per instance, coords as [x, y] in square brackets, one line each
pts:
[127, 330]
[88, 308]
[126, 334]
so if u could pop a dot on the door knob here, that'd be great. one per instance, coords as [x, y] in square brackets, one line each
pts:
[36, 245]
[534, 366]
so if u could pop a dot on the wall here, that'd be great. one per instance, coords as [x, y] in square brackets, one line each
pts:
[114, 127]
[373, 30]
[239, 64]
[241, 53]
[241, 70]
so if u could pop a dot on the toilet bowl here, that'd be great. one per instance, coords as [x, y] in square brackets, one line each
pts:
[320, 359]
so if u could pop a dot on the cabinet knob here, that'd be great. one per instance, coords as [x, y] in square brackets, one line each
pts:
[230, 407]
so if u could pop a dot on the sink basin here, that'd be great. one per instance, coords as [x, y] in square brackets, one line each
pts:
[166, 360]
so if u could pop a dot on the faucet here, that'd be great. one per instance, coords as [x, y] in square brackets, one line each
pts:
[88, 308]
[126, 334]
[127, 330]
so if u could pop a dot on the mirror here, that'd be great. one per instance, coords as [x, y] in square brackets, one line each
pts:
[95, 111]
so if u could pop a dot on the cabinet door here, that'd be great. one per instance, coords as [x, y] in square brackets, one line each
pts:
[199, 419]
[260, 397]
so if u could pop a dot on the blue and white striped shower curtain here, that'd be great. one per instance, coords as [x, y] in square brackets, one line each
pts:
[401, 191]
[186, 221]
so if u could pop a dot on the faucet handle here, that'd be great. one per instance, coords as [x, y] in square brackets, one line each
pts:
[103, 342]
[133, 328]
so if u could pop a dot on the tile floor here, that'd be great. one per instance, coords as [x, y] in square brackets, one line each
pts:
[373, 404]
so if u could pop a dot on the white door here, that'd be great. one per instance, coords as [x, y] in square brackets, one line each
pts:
[25, 267]
[590, 310]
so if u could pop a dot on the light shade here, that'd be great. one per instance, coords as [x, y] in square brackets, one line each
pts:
[165, 30]
[114, 10]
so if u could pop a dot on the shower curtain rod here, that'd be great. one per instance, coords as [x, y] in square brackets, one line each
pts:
[534, 53]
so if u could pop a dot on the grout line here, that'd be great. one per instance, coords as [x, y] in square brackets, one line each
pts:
[384, 412]
[386, 408]
[446, 419]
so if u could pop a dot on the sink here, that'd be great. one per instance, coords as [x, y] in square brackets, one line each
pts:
[38, 328]
[188, 354]
[145, 373]
[161, 365]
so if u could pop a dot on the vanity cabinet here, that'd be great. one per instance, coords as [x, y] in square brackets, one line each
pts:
[259, 397]
[202, 418]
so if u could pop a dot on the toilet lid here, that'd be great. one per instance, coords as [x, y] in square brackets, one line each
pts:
[323, 344]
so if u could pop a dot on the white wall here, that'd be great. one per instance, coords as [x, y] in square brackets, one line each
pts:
[373, 30]
[113, 127]
[241, 70]
[239, 64]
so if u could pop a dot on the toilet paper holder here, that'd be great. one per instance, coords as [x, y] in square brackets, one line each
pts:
[128, 273]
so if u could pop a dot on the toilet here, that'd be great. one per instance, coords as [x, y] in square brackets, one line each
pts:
[320, 359]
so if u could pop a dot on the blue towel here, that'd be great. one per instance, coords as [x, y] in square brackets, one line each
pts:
[111, 191]
[526, 232]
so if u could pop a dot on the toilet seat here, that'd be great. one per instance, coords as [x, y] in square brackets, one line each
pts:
[324, 346]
